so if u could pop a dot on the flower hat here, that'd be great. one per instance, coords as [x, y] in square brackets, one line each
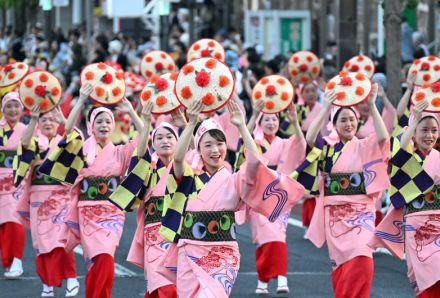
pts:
[156, 62]
[276, 91]
[206, 48]
[205, 79]
[427, 70]
[134, 82]
[161, 91]
[360, 63]
[12, 73]
[108, 83]
[304, 67]
[351, 88]
[431, 93]
[40, 87]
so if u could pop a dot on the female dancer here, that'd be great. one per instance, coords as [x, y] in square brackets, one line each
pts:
[45, 204]
[94, 167]
[199, 216]
[270, 237]
[344, 214]
[11, 230]
[415, 162]
[149, 247]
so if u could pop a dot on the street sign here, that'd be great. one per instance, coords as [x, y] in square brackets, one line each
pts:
[278, 31]
[60, 3]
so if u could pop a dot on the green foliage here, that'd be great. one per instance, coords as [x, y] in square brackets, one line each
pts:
[31, 4]
[407, 4]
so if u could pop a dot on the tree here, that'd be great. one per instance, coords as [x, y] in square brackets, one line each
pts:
[392, 21]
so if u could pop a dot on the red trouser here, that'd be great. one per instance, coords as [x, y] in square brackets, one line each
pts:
[354, 278]
[11, 242]
[99, 278]
[271, 260]
[168, 291]
[307, 211]
[431, 292]
[55, 266]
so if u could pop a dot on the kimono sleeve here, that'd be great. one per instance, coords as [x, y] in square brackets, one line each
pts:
[132, 189]
[293, 153]
[66, 161]
[23, 160]
[265, 191]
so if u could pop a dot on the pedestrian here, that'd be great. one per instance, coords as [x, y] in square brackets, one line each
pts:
[199, 216]
[283, 155]
[344, 213]
[94, 170]
[11, 230]
[45, 202]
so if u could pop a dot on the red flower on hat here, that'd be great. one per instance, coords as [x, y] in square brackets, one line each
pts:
[148, 59]
[211, 44]
[89, 75]
[161, 100]
[257, 95]
[116, 91]
[269, 105]
[186, 92]
[158, 66]
[205, 53]
[331, 85]
[218, 56]
[29, 101]
[11, 75]
[208, 99]
[354, 67]
[346, 81]
[40, 90]
[44, 104]
[436, 87]
[303, 67]
[161, 84]
[223, 81]
[202, 78]
[44, 77]
[426, 77]
[420, 96]
[107, 78]
[99, 91]
[436, 102]
[424, 66]
[270, 90]
[55, 91]
[187, 69]
[28, 83]
[7, 68]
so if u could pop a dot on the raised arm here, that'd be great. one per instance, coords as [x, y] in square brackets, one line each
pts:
[379, 125]
[126, 107]
[145, 132]
[29, 131]
[293, 118]
[84, 93]
[185, 138]
[237, 118]
[256, 110]
[315, 127]
[403, 103]
[417, 114]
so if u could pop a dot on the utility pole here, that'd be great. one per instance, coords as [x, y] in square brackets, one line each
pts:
[392, 20]
[89, 27]
[323, 27]
[367, 27]
[431, 26]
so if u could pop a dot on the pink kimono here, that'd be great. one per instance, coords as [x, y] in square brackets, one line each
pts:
[417, 234]
[149, 247]
[346, 222]
[9, 195]
[45, 208]
[210, 268]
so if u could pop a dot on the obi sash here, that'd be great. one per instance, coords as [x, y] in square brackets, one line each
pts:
[210, 226]
[40, 179]
[98, 188]
[6, 158]
[344, 184]
[425, 202]
[153, 210]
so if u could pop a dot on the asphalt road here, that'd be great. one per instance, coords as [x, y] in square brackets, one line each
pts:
[308, 271]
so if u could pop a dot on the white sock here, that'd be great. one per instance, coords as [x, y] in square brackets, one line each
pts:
[71, 282]
[47, 289]
[282, 281]
[17, 265]
[262, 285]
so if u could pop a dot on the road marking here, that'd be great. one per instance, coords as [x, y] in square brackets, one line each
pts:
[120, 271]
[297, 223]
[291, 273]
